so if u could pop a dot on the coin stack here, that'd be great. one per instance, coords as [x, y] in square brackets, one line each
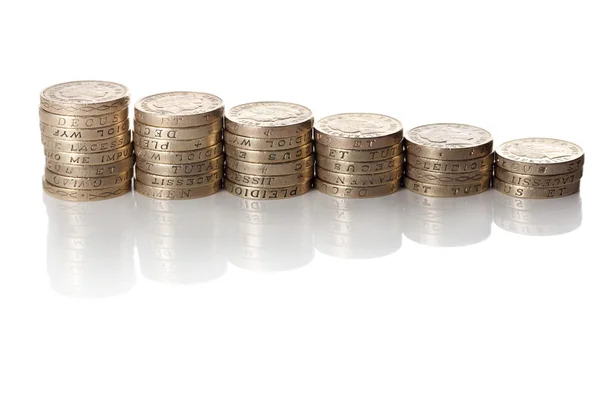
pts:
[87, 142]
[269, 150]
[359, 155]
[538, 168]
[448, 160]
[178, 145]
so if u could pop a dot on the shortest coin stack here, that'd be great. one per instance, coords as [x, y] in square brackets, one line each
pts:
[359, 155]
[87, 142]
[448, 160]
[538, 168]
[178, 145]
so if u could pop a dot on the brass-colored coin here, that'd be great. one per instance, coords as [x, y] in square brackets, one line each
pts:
[251, 143]
[102, 133]
[86, 195]
[346, 167]
[179, 109]
[84, 98]
[172, 182]
[70, 182]
[267, 193]
[450, 166]
[358, 131]
[540, 156]
[538, 181]
[286, 168]
[106, 157]
[180, 157]
[356, 192]
[199, 168]
[269, 157]
[269, 181]
[195, 132]
[177, 193]
[269, 119]
[83, 122]
[536, 192]
[428, 189]
[359, 180]
[358, 155]
[441, 178]
[85, 171]
[142, 142]
[95, 146]
[449, 142]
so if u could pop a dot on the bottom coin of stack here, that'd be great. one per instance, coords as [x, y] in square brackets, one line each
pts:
[538, 168]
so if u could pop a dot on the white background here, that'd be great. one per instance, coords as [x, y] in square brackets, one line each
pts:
[511, 316]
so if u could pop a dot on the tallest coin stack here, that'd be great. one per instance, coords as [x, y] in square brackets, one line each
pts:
[86, 138]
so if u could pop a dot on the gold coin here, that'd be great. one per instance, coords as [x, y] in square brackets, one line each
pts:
[359, 180]
[141, 142]
[85, 171]
[177, 193]
[102, 133]
[84, 98]
[180, 157]
[428, 189]
[269, 119]
[440, 178]
[179, 109]
[83, 122]
[251, 143]
[199, 168]
[358, 155]
[346, 167]
[106, 157]
[267, 193]
[286, 168]
[536, 192]
[538, 181]
[196, 132]
[86, 195]
[450, 166]
[70, 182]
[356, 192]
[92, 146]
[172, 182]
[269, 157]
[358, 131]
[269, 181]
[449, 142]
[540, 156]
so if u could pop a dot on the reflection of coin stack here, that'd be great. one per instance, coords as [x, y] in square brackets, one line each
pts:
[448, 160]
[538, 168]
[86, 138]
[172, 248]
[359, 155]
[90, 247]
[178, 145]
[269, 150]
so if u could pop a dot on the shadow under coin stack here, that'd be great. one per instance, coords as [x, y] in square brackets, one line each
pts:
[359, 155]
[269, 150]
[178, 145]
[538, 168]
[87, 142]
[448, 160]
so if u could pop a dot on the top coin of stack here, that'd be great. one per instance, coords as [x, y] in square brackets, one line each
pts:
[86, 138]
[538, 168]
[178, 145]
[269, 150]
[448, 160]
[359, 155]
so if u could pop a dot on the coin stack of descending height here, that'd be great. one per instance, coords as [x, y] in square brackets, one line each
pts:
[178, 145]
[269, 150]
[538, 168]
[87, 142]
[359, 155]
[448, 160]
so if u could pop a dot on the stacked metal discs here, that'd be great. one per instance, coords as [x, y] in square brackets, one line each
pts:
[178, 145]
[359, 155]
[269, 150]
[538, 168]
[448, 160]
[87, 142]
